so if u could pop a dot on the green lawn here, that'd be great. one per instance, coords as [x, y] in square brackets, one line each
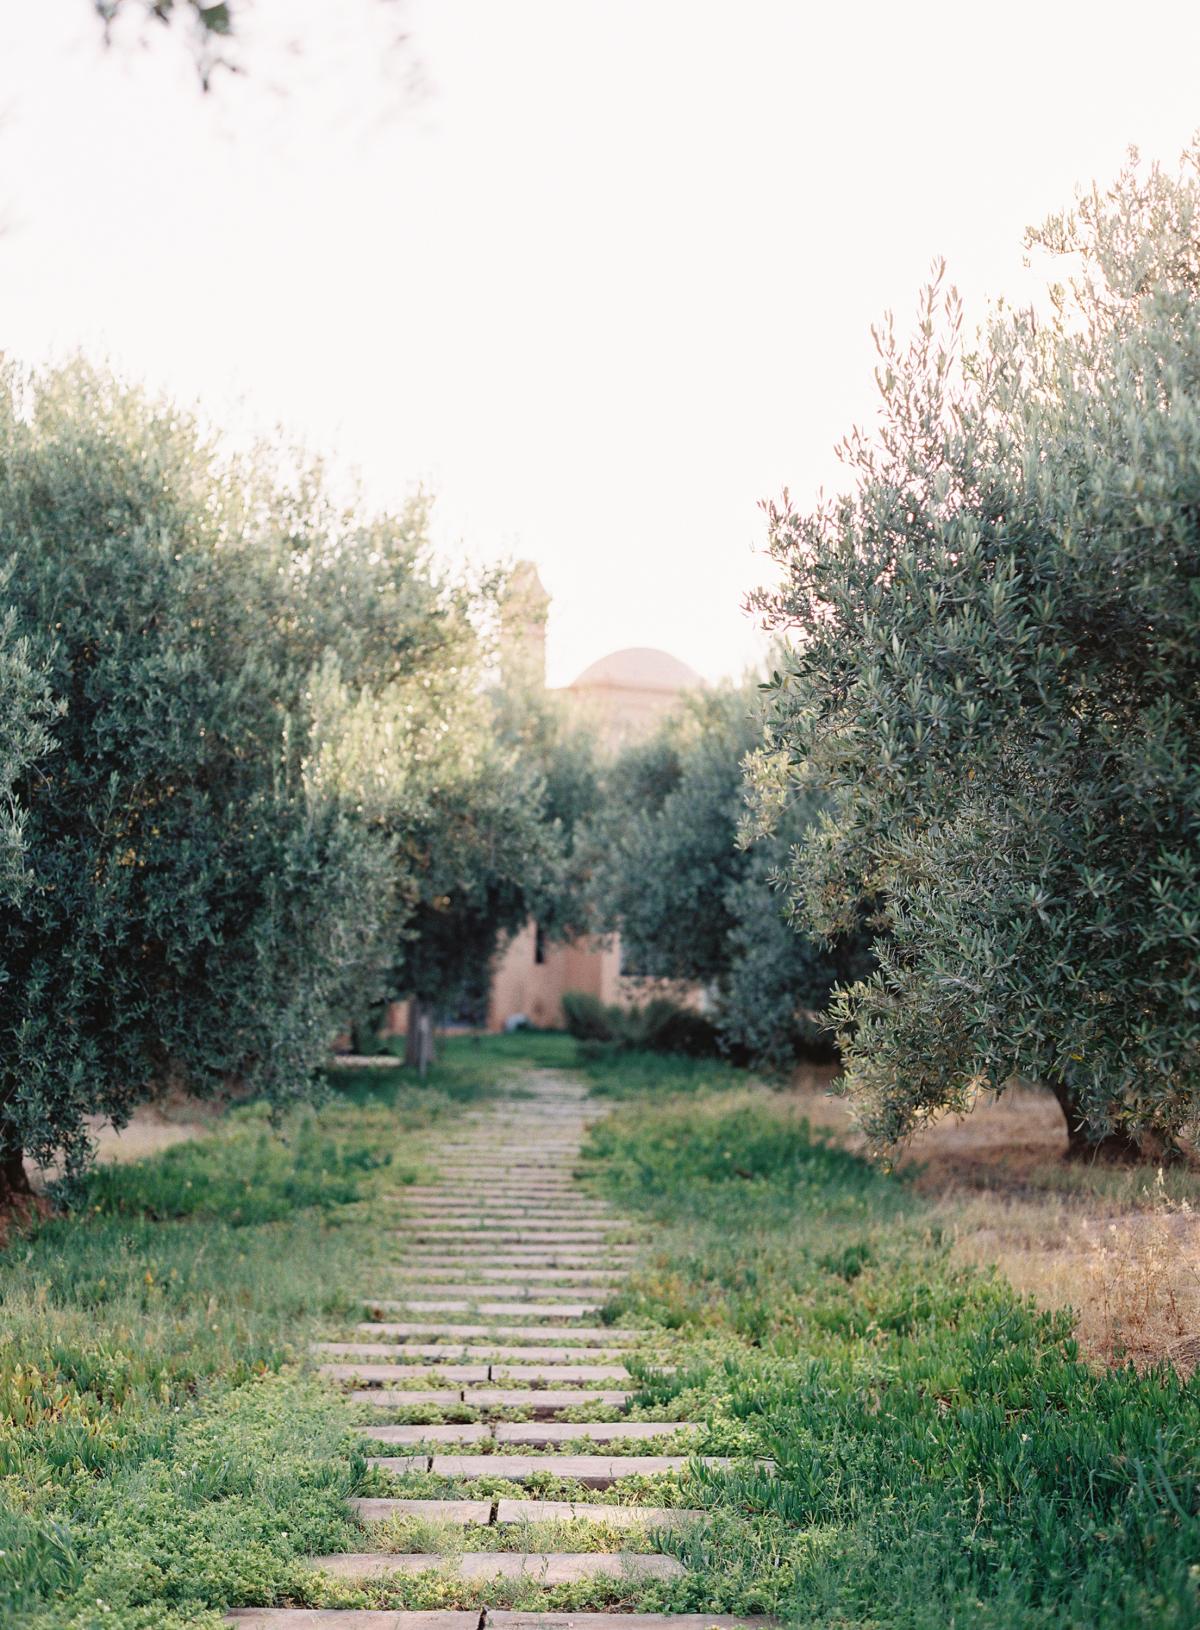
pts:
[162, 1452]
[944, 1459]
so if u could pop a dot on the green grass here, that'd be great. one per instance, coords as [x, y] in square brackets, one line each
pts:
[614, 1072]
[944, 1458]
[163, 1454]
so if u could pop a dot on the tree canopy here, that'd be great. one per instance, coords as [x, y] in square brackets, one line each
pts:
[193, 890]
[994, 676]
[691, 901]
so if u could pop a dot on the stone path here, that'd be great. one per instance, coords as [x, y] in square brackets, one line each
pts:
[502, 1268]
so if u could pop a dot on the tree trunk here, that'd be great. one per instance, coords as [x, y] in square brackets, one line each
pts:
[418, 1044]
[1082, 1142]
[15, 1191]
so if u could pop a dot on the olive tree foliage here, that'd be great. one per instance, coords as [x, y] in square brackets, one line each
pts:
[477, 793]
[994, 674]
[212, 27]
[690, 900]
[478, 857]
[26, 713]
[489, 845]
[202, 893]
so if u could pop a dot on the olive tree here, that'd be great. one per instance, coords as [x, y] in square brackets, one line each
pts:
[199, 901]
[691, 900]
[994, 675]
[487, 841]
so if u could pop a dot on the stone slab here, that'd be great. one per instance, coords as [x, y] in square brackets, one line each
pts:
[513, 1204]
[348, 1618]
[383, 1375]
[594, 1471]
[499, 1239]
[486, 1216]
[481, 1291]
[462, 1512]
[546, 1401]
[501, 1310]
[505, 1619]
[549, 1375]
[438, 1353]
[583, 1250]
[487, 1264]
[478, 1222]
[550, 1568]
[539, 1432]
[597, 1335]
[458, 1432]
[616, 1516]
[591, 1273]
[416, 1398]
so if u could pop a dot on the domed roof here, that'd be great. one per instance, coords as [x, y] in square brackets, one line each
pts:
[639, 667]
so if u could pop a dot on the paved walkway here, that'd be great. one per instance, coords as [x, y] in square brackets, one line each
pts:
[503, 1266]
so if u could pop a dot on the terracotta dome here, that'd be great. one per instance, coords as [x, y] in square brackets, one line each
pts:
[639, 667]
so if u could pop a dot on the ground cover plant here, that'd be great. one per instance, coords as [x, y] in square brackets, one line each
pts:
[944, 1456]
[163, 1452]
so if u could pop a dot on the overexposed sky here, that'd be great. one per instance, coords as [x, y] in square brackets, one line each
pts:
[603, 284]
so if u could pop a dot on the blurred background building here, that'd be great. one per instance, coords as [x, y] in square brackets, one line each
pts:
[621, 697]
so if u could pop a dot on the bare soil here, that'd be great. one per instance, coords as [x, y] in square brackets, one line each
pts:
[153, 1127]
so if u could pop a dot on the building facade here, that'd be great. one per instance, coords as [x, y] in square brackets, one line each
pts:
[621, 697]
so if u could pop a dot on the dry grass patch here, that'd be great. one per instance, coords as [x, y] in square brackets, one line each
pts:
[1119, 1245]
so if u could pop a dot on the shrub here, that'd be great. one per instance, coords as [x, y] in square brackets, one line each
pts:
[659, 1025]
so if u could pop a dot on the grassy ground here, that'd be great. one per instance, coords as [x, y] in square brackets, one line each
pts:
[1118, 1245]
[162, 1451]
[945, 1457]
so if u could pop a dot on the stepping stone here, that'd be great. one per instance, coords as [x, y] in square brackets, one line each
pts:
[616, 1516]
[437, 1264]
[594, 1471]
[479, 1223]
[503, 1619]
[348, 1618]
[463, 1512]
[436, 1353]
[589, 1275]
[460, 1242]
[475, 1291]
[549, 1568]
[536, 1432]
[496, 1242]
[416, 1399]
[466, 1513]
[382, 1375]
[470, 1202]
[501, 1310]
[513, 1205]
[462, 1432]
[588, 1335]
[544, 1402]
[547, 1375]
[482, 1220]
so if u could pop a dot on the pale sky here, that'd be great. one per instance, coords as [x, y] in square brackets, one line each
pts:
[603, 285]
